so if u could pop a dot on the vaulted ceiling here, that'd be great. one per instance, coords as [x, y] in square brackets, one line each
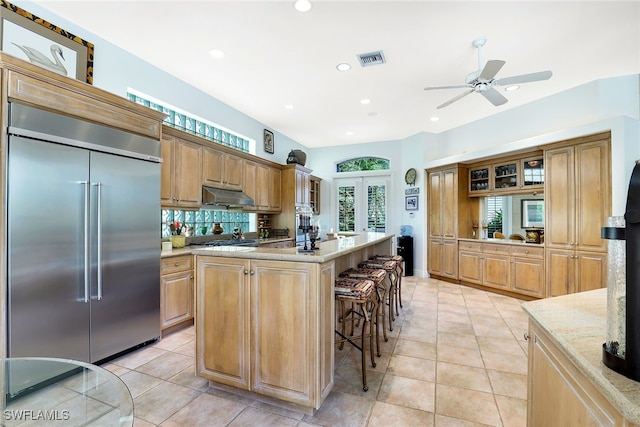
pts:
[275, 56]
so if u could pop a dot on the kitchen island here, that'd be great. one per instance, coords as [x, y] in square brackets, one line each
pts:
[568, 383]
[265, 316]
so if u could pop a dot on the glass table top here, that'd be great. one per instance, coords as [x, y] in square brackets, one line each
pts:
[46, 391]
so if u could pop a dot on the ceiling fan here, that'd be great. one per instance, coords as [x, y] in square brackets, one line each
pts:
[484, 82]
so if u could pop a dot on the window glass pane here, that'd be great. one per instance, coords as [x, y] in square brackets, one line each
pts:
[363, 164]
[192, 125]
[346, 208]
[376, 209]
[493, 215]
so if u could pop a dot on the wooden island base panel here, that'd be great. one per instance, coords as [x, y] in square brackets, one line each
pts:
[265, 317]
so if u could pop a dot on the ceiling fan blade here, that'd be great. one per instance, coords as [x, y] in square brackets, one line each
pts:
[454, 99]
[525, 78]
[446, 87]
[490, 69]
[494, 97]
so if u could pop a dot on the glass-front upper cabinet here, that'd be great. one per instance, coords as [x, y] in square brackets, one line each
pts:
[505, 176]
[533, 172]
[479, 179]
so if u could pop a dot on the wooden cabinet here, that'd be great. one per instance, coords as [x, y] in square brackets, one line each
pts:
[262, 184]
[314, 194]
[176, 291]
[303, 185]
[221, 169]
[532, 173]
[511, 175]
[577, 204]
[495, 268]
[555, 382]
[494, 178]
[516, 268]
[449, 215]
[295, 194]
[266, 326]
[181, 184]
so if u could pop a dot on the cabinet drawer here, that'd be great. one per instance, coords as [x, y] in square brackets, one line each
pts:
[176, 264]
[489, 248]
[463, 245]
[527, 251]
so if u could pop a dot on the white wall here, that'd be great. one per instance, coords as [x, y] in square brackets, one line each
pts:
[608, 104]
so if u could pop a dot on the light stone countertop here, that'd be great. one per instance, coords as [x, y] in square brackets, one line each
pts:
[188, 250]
[578, 323]
[328, 250]
[502, 241]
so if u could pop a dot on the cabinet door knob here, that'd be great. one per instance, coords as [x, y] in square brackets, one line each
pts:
[246, 272]
[252, 272]
[526, 252]
[176, 264]
[526, 336]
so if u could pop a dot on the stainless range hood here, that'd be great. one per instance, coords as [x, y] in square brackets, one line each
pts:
[218, 197]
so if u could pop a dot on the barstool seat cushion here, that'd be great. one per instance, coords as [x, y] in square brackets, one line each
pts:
[355, 289]
[396, 258]
[377, 264]
[375, 274]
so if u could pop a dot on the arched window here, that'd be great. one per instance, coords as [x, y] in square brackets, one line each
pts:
[363, 164]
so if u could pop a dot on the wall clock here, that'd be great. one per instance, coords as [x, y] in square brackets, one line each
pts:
[410, 176]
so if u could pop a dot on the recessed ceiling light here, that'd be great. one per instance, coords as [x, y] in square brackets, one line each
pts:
[511, 88]
[343, 66]
[434, 119]
[349, 133]
[288, 107]
[216, 53]
[303, 5]
[365, 101]
[372, 114]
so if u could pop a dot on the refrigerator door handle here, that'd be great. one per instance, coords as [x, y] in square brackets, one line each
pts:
[87, 261]
[99, 236]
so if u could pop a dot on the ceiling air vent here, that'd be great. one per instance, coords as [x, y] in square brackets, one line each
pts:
[371, 58]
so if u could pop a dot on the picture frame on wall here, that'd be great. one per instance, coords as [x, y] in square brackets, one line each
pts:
[532, 213]
[268, 141]
[411, 203]
[31, 38]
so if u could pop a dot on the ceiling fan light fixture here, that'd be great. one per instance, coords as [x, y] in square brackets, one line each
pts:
[302, 5]
[511, 88]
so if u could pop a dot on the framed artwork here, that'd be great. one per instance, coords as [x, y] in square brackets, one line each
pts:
[411, 203]
[46, 45]
[268, 141]
[532, 213]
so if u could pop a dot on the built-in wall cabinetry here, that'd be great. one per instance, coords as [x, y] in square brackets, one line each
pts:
[514, 268]
[221, 169]
[296, 181]
[181, 185]
[577, 204]
[511, 175]
[176, 291]
[314, 194]
[575, 178]
[449, 214]
[189, 162]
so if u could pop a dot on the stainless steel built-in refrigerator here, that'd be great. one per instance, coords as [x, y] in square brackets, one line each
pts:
[83, 217]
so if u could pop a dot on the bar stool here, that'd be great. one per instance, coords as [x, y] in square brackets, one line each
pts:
[360, 295]
[390, 268]
[378, 277]
[400, 271]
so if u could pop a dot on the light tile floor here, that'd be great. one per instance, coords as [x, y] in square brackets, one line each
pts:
[456, 357]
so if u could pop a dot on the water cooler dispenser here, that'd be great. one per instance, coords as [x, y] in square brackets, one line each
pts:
[405, 248]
